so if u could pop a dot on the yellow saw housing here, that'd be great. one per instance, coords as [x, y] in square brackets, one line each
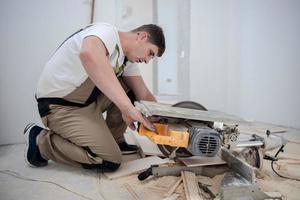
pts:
[165, 136]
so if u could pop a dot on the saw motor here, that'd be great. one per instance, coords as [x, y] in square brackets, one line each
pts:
[204, 141]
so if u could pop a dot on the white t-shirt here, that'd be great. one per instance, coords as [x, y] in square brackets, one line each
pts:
[64, 72]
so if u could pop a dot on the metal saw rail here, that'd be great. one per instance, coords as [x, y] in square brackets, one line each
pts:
[165, 110]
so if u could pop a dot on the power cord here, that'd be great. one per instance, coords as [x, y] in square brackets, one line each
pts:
[276, 172]
[17, 175]
[9, 144]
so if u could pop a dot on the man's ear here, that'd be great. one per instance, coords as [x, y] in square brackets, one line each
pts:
[142, 35]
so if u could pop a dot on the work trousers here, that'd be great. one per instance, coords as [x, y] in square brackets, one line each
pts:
[80, 136]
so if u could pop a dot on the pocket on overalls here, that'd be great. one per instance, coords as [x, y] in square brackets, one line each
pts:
[45, 121]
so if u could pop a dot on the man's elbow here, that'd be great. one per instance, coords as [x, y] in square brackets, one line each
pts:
[147, 97]
[84, 56]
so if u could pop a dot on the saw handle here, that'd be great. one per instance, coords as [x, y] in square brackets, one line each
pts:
[145, 174]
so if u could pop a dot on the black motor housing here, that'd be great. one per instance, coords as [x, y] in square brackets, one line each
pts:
[204, 141]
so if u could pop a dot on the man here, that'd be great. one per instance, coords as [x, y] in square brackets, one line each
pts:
[93, 71]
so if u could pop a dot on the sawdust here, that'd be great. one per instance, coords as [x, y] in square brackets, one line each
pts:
[152, 188]
[262, 174]
[289, 189]
[270, 182]
[212, 183]
[267, 180]
[155, 188]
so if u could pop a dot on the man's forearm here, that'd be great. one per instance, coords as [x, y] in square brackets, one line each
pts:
[141, 91]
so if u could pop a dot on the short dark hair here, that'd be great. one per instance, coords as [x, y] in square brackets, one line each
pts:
[156, 36]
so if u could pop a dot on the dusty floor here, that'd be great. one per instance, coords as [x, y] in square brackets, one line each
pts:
[56, 181]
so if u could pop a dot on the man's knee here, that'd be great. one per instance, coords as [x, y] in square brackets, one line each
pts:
[109, 164]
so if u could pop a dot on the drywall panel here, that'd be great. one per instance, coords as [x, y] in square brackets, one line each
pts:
[30, 32]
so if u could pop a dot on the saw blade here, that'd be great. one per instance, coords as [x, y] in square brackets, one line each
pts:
[253, 156]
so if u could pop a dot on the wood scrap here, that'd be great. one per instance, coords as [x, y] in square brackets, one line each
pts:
[147, 147]
[294, 141]
[156, 189]
[131, 191]
[173, 188]
[190, 185]
[262, 174]
[274, 194]
[135, 166]
[213, 183]
[172, 197]
[205, 191]
[180, 190]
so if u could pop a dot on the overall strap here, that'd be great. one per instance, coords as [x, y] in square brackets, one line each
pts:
[72, 36]
[119, 69]
[44, 102]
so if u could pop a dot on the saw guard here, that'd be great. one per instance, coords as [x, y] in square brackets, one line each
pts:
[165, 136]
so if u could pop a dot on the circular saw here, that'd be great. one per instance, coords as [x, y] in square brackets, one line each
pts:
[182, 137]
[189, 129]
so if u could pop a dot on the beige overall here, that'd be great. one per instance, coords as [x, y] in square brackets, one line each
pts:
[80, 135]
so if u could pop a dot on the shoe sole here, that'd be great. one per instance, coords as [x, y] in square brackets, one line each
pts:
[26, 135]
[128, 152]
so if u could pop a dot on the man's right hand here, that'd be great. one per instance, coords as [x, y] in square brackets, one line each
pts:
[131, 115]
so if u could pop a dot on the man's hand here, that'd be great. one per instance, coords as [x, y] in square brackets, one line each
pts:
[131, 115]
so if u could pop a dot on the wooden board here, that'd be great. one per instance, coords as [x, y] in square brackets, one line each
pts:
[173, 188]
[131, 191]
[172, 197]
[147, 147]
[129, 137]
[202, 161]
[158, 109]
[190, 184]
[135, 166]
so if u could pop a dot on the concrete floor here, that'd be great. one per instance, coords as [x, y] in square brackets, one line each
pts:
[15, 175]
[55, 181]
[11, 158]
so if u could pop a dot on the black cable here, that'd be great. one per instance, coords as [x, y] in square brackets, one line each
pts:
[9, 144]
[272, 166]
[17, 175]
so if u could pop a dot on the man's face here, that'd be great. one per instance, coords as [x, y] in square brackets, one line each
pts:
[142, 51]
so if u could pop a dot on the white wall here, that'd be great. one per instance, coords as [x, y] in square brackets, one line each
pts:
[245, 58]
[208, 54]
[127, 15]
[167, 66]
[270, 47]
[30, 31]
[244, 54]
